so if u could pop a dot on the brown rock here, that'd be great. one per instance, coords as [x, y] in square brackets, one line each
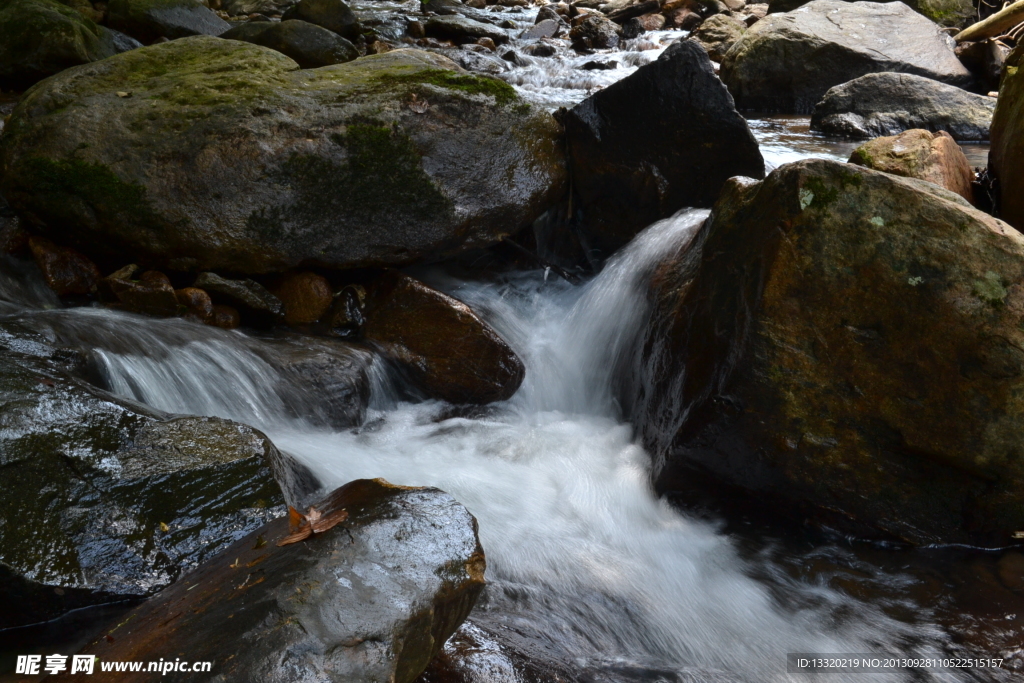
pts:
[652, 22]
[683, 18]
[151, 294]
[447, 351]
[488, 43]
[225, 317]
[1010, 570]
[66, 271]
[849, 340]
[917, 153]
[197, 303]
[306, 297]
[719, 33]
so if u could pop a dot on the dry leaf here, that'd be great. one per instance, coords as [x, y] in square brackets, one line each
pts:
[302, 526]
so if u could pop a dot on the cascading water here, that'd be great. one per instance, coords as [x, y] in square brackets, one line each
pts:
[583, 559]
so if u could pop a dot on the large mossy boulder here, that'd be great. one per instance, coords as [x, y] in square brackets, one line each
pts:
[39, 38]
[150, 20]
[890, 103]
[228, 156]
[1006, 156]
[102, 498]
[373, 598]
[663, 138]
[850, 341]
[787, 62]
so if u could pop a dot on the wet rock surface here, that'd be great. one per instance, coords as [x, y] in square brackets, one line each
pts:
[311, 46]
[454, 160]
[787, 62]
[104, 498]
[663, 138]
[934, 157]
[149, 20]
[373, 598]
[439, 342]
[333, 15]
[891, 404]
[890, 103]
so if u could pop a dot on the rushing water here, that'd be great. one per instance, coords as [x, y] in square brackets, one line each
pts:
[582, 557]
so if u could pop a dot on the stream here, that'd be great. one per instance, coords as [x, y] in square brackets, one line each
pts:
[585, 564]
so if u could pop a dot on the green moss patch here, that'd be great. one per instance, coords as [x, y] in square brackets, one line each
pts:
[502, 92]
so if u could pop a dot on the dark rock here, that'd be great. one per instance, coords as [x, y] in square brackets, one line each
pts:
[333, 15]
[847, 340]
[623, 15]
[632, 29]
[66, 271]
[719, 33]
[890, 103]
[920, 154]
[594, 65]
[371, 599]
[541, 50]
[255, 301]
[460, 29]
[305, 296]
[445, 349]
[455, 7]
[39, 38]
[787, 62]
[225, 317]
[684, 19]
[333, 377]
[594, 33]
[104, 499]
[332, 167]
[149, 296]
[346, 318]
[196, 302]
[311, 46]
[984, 59]
[148, 20]
[547, 13]
[664, 138]
[1006, 156]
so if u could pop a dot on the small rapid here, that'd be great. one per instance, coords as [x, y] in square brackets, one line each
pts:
[583, 559]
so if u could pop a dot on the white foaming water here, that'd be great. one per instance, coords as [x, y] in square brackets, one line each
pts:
[581, 554]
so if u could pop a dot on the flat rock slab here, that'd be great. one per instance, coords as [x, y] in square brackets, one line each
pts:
[371, 599]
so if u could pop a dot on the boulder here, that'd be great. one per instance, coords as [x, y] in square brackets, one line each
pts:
[1006, 156]
[943, 12]
[311, 46]
[388, 159]
[439, 342]
[104, 499]
[460, 29]
[39, 38]
[225, 317]
[934, 157]
[594, 32]
[373, 598]
[661, 139]
[849, 341]
[305, 296]
[324, 381]
[243, 8]
[787, 62]
[151, 294]
[333, 15]
[65, 270]
[890, 103]
[195, 304]
[718, 33]
[542, 29]
[260, 307]
[149, 20]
